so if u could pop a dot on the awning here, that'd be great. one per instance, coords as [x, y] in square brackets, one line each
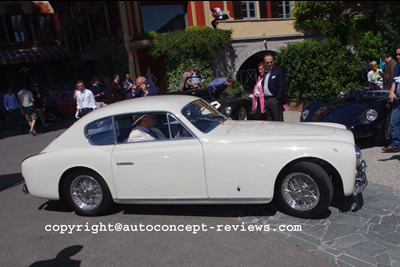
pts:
[29, 55]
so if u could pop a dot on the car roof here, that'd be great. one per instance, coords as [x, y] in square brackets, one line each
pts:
[172, 103]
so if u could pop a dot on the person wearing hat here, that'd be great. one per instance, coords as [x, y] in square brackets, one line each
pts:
[143, 129]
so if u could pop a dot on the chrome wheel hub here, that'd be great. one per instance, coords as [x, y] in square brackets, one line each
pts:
[300, 191]
[86, 192]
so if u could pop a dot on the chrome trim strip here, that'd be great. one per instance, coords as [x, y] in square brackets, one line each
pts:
[125, 163]
[192, 201]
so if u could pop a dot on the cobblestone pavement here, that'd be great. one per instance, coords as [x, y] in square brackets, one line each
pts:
[369, 236]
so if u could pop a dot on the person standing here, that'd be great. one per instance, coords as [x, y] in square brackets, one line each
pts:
[258, 93]
[389, 70]
[85, 101]
[26, 103]
[274, 89]
[150, 77]
[99, 92]
[143, 88]
[128, 83]
[11, 105]
[40, 104]
[118, 93]
[185, 83]
[375, 75]
[394, 97]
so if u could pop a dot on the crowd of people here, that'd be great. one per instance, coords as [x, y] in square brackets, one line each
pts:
[268, 93]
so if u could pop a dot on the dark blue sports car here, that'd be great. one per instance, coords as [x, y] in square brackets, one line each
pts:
[365, 111]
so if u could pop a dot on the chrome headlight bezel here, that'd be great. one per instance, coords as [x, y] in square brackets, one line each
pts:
[371, 115]
[227, 110]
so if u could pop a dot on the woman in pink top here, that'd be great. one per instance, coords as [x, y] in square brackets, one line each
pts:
[258, 93]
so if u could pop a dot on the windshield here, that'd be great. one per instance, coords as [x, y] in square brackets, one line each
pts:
[203, 116]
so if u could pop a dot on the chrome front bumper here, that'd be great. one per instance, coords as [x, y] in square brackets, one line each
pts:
[361, 178]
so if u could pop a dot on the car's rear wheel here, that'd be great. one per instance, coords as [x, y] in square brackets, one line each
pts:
[305, 190]
[384, 136]
[242, 114]
[87, 193]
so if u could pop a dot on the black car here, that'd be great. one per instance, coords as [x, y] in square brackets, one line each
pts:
[237, 106]
[365, 111]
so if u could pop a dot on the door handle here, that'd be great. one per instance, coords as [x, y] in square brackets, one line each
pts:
[124, 163]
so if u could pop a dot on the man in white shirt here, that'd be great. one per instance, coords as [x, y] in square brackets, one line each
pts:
[26, 101]
[217, 14]
[85, 101]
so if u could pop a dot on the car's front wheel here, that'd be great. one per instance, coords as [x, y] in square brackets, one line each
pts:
[305, 190]
[242, 114]
[87, 193]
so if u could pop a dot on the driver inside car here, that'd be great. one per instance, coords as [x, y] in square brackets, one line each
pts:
[144, 129]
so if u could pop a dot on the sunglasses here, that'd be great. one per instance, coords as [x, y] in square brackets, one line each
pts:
[269, 62]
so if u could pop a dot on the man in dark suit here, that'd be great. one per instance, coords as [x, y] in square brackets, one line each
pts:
[274, 89]
[143, 88]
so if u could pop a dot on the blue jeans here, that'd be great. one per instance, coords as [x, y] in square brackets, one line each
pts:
[395, 126]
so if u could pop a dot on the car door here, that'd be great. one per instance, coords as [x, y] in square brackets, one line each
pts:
[170, 167]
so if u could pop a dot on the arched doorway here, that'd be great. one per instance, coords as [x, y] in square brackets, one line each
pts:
[247, 73]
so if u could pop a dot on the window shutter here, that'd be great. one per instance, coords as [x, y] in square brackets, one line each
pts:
[263, 9]
[237, 9]
[275, 9]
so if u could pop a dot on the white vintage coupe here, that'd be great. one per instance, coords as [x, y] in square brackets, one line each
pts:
[194, 155]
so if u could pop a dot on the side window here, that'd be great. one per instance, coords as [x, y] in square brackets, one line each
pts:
[177, 129]
[139, 127]
[100, 132]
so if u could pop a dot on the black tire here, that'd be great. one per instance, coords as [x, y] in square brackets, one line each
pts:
[242, 114]
[310, 180]
[50, 115]
[87, 203]
[384, 136]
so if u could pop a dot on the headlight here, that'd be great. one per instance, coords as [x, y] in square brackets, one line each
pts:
[371, 115]
[305, 113]
[228, 110]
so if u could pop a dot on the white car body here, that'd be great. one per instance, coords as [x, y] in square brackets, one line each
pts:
[237, 162]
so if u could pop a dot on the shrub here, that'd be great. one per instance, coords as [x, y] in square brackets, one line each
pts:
[316, 70]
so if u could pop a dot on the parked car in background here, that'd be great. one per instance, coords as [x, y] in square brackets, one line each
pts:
[195, 156]
[237, 106]
[365, 111]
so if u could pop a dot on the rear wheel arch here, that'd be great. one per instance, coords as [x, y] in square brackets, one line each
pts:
[73, 170]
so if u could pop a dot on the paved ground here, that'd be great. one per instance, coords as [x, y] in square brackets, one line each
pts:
[367, 237]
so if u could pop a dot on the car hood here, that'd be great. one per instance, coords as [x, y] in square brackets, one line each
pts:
[253, 128]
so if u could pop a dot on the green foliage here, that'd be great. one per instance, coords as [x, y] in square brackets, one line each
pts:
[174, 74]
[145, 35]
[316, 70]
[370, 46]
[187, 48]
[327, 17]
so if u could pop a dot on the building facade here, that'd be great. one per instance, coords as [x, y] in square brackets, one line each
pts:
[258, 26]
[29, 47]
